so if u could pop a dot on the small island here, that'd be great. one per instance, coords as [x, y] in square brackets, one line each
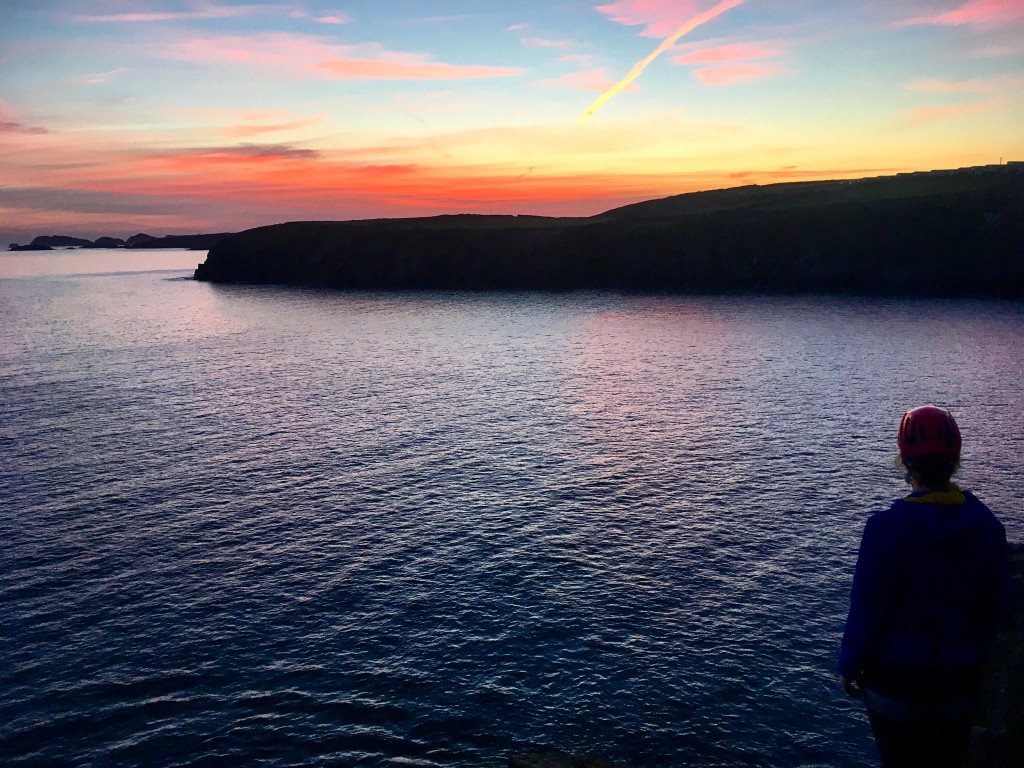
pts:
[200, 242]
[937, 233]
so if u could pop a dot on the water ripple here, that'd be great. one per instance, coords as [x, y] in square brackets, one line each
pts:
[289, 527]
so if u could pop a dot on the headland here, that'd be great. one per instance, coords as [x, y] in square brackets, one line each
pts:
[938, 233]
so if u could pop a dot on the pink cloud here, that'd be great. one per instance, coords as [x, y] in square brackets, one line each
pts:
[207, 11]
[101, 77]
[975, 12]
[244, 153]
[12, 123]
[336, 18]
[720, 54]
[307, 55]
[660, 18]
[247, 129]
[944, 112]
[589, 80]
[578, 58]
[384, 69]
[735, 74]
[976, 85]
[543, 42]
[8, 126]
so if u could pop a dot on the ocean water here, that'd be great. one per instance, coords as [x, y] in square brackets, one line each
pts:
[268, 526]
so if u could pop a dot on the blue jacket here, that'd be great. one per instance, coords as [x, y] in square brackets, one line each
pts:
[930, 591]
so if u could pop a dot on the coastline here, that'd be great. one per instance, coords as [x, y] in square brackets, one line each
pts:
[953, 235]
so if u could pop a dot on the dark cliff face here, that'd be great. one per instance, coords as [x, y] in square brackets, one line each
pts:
[920, 237]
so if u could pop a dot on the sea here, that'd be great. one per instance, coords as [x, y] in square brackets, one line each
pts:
[279, 526]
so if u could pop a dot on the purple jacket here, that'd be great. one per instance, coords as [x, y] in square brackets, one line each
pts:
[930, 591]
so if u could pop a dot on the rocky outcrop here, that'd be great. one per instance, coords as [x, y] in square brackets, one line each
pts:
[999, 739]
[106, 242]
[955, 235]
[135, 240]
[29, 247]
[193, 242]
[62, 241]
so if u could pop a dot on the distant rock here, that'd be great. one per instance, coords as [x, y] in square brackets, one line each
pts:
[107, 242]
[193, 242]
[30, 247]
[62, 241]
[138, 239]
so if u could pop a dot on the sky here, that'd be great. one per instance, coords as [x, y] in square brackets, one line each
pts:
[184, 116]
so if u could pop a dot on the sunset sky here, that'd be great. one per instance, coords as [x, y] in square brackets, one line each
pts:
[179, 116]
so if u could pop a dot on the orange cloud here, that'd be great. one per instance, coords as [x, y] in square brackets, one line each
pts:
[735, 74]
[975, 12]
[248, 185]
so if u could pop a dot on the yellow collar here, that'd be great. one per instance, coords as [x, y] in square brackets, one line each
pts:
[953, 496]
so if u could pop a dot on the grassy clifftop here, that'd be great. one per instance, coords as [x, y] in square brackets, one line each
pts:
[949, 233]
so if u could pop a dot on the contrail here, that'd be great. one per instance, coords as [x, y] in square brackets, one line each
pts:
[640, 66]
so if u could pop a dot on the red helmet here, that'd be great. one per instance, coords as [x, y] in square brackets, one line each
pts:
[929, 430]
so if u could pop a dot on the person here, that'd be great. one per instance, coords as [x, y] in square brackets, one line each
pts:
[929, 592]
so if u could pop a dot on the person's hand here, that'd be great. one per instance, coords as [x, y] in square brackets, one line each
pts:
[852, 688]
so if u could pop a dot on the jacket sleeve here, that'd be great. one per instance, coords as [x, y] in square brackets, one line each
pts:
[870, 598]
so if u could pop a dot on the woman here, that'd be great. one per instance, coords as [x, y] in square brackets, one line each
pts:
[929, 593]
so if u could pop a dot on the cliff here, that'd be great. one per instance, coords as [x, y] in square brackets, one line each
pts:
[940, 234]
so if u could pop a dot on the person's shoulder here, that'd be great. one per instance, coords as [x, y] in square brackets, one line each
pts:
[982, 511]
[895, 511]
[894, 516]
[974, 501]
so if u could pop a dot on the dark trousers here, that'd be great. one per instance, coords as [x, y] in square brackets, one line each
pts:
[935, 743]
